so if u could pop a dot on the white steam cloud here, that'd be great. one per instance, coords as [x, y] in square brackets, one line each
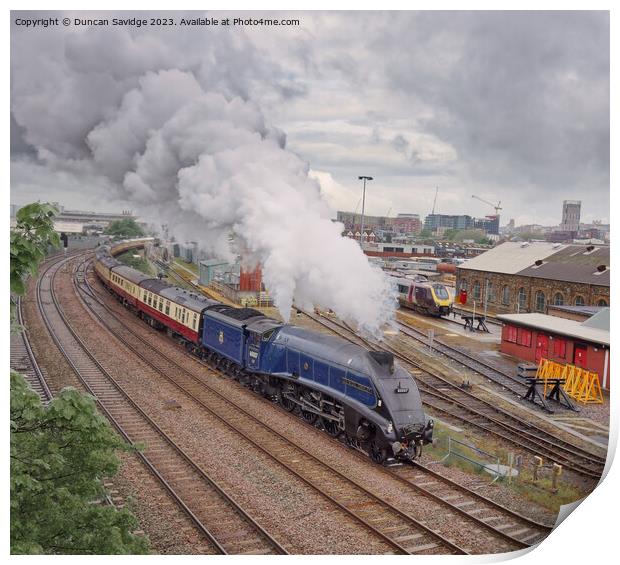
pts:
[199, 156]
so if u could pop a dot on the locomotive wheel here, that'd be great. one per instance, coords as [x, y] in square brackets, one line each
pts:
[378, 454]
[331, 427]
[285, 402]
[309, 417]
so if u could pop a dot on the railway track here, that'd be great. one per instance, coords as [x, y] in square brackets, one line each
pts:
[475, 364]
[225, 526]
[454, 402]
[24, 361]
[496, 522]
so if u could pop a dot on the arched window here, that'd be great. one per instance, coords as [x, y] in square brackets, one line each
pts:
[477, 290]
[602, 302]
[506, 295]
[558, 299]
[579, 301]
[521, 298]
[490, 292]
[463, 284]
[540, 301]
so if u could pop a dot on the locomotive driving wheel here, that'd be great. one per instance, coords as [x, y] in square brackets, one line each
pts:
[286, 403]
[307, 415]
[378, 454]
[331, 427]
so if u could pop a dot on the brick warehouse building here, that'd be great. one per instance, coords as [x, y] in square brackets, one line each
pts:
[527, 277]
[586, 344]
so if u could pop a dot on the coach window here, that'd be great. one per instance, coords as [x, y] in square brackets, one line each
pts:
[506, 295]
[167, 307]
[521, 298]
[194, 322]
[540, 301]
[602, 302]
[477, 290]
[558, 299]
[579, 301]
[161, 305]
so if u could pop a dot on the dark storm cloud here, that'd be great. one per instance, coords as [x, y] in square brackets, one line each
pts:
[509, 105]
[524, 97]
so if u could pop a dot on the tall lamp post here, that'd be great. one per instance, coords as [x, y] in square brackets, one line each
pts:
[363, 202]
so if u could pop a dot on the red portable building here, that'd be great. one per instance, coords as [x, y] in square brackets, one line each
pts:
[531, 337]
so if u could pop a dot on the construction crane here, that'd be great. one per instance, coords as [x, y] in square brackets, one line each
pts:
[496, 206]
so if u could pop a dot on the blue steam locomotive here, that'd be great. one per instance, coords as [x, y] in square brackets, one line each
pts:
[362, 396]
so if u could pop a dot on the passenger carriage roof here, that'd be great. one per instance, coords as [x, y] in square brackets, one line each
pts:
[154, 285]
[187, 298]
[131, 274]
[328, 348]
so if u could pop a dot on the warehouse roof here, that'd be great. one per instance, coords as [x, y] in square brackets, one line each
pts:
[574, 263]
[585, 310]
[511, 257]
[561, 326]
[552, 261]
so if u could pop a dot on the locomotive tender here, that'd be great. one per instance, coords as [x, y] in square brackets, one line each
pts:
[363, 396]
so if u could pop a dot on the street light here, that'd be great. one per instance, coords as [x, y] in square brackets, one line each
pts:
[363, 202]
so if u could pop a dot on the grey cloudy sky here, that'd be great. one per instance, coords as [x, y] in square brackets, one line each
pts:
[512, 106]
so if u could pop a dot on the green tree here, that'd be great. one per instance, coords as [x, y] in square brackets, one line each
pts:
[425, 233]
[450, 234]
[138, 263]
[30, 238]
[58, 454]
[127, 227]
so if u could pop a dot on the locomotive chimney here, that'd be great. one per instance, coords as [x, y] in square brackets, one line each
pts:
[384, 359]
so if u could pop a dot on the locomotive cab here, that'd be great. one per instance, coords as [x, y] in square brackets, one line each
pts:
[442, 299]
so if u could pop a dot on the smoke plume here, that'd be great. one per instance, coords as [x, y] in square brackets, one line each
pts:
[187, 145]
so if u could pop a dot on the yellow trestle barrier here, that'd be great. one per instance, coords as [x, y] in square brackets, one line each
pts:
[582, 385]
